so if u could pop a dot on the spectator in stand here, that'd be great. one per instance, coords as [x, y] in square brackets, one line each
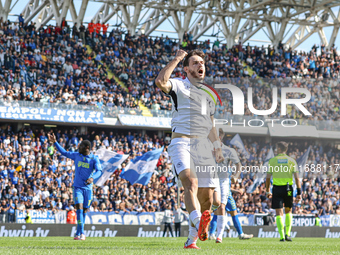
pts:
[3, 211]
[71, 216]
[105, 27]
[98, 27]
[91, 27]
[49, 63]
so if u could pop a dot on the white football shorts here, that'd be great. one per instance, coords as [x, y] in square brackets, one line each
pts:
[195, 154]
[224, 189]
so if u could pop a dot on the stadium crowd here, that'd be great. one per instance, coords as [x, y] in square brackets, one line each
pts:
[90, 68]
[74, 65]
[33, 175]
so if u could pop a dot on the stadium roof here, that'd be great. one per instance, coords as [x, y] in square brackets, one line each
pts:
[289, 21]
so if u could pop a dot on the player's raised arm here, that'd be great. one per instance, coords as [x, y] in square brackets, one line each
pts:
[63, 152]
[162, 80]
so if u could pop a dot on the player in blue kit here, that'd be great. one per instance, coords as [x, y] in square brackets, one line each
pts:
[87, 168]
[232, 210]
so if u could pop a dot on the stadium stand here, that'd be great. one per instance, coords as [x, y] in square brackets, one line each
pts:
[114, 72]
[44, 181]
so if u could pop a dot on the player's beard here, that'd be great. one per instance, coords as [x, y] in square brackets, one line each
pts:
[196, 76]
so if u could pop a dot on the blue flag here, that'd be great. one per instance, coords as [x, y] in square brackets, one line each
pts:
[110, 161]
[237, 141]
[260, 177]
[301, 162]
[141, 168]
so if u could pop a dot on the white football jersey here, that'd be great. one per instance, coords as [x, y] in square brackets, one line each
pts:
[187, 117]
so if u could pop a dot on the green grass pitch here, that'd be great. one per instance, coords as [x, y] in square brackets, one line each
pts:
[150, 246]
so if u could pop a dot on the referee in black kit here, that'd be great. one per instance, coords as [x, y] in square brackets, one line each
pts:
[282, 168]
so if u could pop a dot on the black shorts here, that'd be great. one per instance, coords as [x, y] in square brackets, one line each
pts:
[281, 196]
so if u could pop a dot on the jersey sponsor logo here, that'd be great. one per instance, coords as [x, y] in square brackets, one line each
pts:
[83, 164]
[282, 161]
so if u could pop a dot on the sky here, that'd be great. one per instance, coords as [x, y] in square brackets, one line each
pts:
[259, 39]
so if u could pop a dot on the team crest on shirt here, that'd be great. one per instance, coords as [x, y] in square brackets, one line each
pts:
[210, 103]
[179, 164]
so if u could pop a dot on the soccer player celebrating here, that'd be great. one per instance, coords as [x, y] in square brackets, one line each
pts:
[87, 168]
[192, 128]
[282, 168]
[223, 193]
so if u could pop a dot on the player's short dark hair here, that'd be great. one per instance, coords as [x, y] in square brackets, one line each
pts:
[87, 143]
[193, 53]
[283, 146]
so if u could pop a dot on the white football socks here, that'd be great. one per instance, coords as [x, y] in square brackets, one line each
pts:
[220, 225]
[193, 235]
[195, 217]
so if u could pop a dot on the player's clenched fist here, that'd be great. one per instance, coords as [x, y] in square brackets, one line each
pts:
[181, 54]
[52, 137]
[219, 156]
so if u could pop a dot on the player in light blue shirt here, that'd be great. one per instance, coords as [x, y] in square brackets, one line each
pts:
[87, 168]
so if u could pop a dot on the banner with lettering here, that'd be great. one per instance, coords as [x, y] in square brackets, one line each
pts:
[38, 216]
[48, 114]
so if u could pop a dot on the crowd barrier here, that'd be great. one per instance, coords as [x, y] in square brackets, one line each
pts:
[156, 218]
[155, 231]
